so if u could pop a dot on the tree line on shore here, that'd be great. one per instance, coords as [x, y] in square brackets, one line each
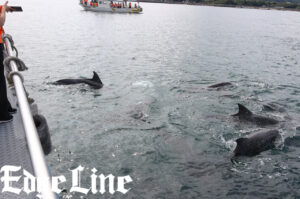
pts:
[250, 3]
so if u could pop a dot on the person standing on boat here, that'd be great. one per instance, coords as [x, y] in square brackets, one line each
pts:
[5, 107]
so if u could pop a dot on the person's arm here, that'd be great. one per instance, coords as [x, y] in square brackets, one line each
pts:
[2, 14]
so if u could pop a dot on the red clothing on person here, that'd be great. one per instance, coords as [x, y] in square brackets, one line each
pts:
[1, 29]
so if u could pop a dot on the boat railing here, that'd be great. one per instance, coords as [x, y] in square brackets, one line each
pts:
[36, 152]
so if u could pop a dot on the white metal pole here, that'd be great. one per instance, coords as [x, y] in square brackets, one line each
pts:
[36, 152]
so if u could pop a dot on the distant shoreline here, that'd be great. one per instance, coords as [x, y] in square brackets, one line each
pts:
[248, 7]
[226, 5]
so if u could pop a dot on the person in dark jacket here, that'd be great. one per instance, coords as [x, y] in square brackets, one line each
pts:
[5, 107]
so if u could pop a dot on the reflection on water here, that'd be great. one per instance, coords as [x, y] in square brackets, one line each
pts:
[155, 119]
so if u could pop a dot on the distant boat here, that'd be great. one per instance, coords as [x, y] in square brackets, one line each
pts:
[111, 6]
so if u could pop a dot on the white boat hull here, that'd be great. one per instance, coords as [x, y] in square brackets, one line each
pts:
[107, 8]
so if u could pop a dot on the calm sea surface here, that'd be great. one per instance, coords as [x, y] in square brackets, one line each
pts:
[155, 119]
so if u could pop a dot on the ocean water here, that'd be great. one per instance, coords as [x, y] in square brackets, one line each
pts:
[155, 119]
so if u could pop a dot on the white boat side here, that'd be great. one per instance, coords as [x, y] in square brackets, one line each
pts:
[106, 6]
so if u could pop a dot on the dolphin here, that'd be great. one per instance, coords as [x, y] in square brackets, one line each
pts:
[272, 107]
[247, 116]
[256, 143]
[95, 82]
[219, 85]
[142, 109]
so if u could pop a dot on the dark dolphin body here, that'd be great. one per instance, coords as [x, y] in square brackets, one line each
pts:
[247, 116]
[256, 143]
[272, 107]
[219, 85]
[95, 82]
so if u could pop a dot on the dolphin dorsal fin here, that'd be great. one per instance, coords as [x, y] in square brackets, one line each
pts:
[96, 78]
[243, 111]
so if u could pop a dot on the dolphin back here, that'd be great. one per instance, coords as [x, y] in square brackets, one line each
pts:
[256, 143]
[95, 82]
[68, 81]
[218, 85]
[246, 115]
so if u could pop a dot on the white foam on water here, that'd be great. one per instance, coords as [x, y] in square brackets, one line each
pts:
[143, 84]
[229, 144]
